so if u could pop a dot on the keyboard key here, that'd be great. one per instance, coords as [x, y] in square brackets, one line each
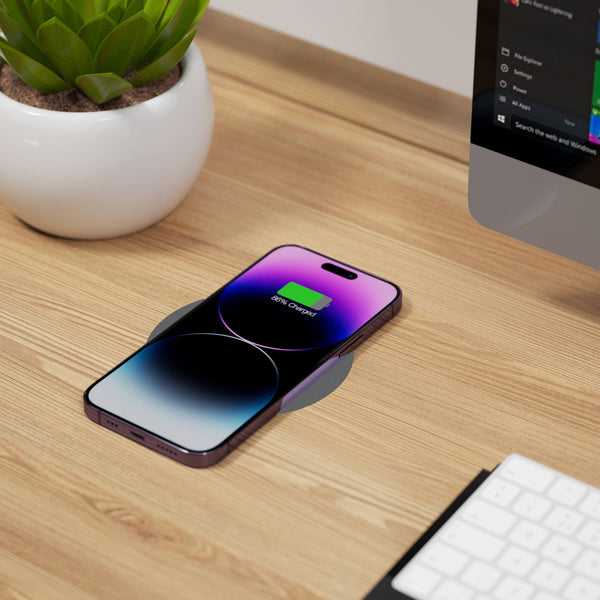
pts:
[487, 516]
[561, 550]
[590, 534]
[500, 492]
[589, 564]
[511, 588]
[471, 539]
[452, 590]
[529, 535]
[416, 580]
[563, 520]
[567, 491]
[527, 473]
[481, 576]
[532, 506]
[549, 576]
[581, 589]
[591, 505]
[517, 561]
[444, 559]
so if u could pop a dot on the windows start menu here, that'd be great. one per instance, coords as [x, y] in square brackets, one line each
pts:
[548, 71]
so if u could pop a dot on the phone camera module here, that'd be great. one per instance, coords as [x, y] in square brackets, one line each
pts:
[339, 271]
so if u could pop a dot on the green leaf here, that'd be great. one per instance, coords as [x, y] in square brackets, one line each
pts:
[42, 12]
[26, 3]
[164, 64]
[19, 40]
[116, 8]
[65, 49]
[172, 7]
[67, 14]
[115, 12]
[21, 14]
[85, 9]
[100, 6]
[33, 73]
[155, 9]
[94, 31]
[135, 6]
[112, 3]
[125, 45]
[102, 87]
[173, 27]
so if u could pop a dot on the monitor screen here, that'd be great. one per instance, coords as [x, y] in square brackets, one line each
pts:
[534, 168]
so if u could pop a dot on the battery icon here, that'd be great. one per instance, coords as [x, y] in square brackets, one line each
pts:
[303, 295]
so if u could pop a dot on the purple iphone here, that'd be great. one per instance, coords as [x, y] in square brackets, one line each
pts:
[223, 370]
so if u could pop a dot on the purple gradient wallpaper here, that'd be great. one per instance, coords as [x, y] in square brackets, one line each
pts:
[251, 308]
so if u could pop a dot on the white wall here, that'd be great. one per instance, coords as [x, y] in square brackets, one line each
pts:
[430, 40]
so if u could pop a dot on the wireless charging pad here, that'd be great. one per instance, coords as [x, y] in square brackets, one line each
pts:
[317, 390]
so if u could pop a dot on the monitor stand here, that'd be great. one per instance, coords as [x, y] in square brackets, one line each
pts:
[331, 377]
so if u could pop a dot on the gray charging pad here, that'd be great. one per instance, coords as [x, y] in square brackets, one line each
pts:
[317, 390]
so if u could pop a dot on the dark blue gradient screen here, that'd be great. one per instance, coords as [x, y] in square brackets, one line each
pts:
[182, 388]
[241, 349]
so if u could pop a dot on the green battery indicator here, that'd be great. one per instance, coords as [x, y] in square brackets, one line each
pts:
[303, 295]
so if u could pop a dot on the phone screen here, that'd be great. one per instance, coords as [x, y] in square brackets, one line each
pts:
[243, 348]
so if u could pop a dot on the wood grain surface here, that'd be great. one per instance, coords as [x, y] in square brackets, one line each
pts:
[494, 351]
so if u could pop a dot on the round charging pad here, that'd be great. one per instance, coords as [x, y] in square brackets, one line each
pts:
[317, 390]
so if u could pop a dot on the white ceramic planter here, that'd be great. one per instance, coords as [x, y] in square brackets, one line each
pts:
[106, 174]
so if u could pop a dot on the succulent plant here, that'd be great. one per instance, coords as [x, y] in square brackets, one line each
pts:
[102, 47]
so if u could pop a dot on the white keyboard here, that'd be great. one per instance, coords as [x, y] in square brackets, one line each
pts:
[527, 533]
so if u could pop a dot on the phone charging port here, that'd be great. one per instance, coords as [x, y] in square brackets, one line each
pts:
[137, 435]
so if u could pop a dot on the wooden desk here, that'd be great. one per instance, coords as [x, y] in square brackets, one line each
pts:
[495, 351]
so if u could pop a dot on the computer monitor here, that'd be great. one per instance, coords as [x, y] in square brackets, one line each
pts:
[534, 170]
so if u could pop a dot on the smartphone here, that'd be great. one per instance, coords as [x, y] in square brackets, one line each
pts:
[216, 375]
